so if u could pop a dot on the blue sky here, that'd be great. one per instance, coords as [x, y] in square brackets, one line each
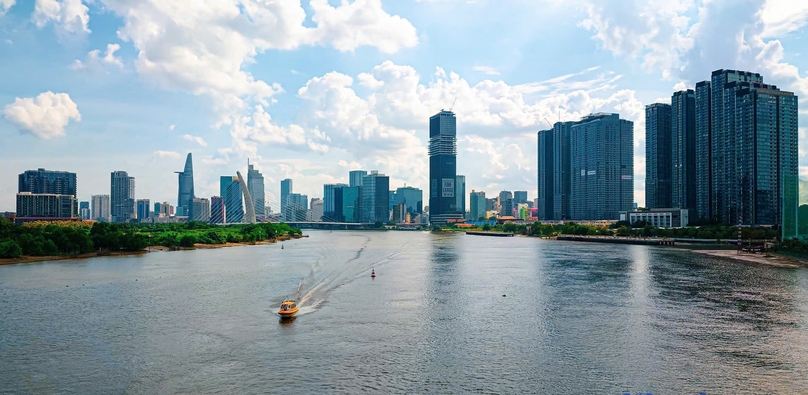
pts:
[311, 89]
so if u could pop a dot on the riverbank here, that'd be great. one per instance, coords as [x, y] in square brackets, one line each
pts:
[35, 259]
[776, 260]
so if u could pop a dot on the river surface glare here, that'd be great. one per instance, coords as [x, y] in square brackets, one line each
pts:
[447, 313]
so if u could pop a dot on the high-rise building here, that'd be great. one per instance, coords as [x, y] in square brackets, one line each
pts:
[100, 208]
[143, 209]
[185, 194]
[411, 197]
[255, 184]
[230, 190]
[351, 198]
[286, 189]
[683, 152]
[296, 207]
[217, 211]
[399, 213]
[477, 206]
[658, 155]
[443, 167]
[460, 194]
[546, 174]
[561, 170]
[519, 197]
[602, 167]
[375, 195]
[84, 211]
[201, 210]
[355, 177]
[316, 210]
[43, 181]
[45, 206]
[749, 146]
[332, 202]
[122, 196]
[506, 203]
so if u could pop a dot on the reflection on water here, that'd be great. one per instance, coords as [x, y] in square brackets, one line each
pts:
[577, 318]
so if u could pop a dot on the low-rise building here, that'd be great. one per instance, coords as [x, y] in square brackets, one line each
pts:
[658, 218]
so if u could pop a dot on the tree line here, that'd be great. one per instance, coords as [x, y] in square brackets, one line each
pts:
[76, 237]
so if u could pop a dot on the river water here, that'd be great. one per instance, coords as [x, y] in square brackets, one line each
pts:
[446, 314]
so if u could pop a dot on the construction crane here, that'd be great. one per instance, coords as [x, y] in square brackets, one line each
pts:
[453, 103]
[548, 122]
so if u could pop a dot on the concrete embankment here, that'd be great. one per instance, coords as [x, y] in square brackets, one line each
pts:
[494, 234]
[618, 240]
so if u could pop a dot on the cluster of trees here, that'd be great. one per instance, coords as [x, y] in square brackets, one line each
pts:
[74, 237]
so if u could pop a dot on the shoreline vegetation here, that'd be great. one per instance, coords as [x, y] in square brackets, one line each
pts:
[46, 241]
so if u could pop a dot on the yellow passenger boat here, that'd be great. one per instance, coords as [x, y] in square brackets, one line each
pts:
[288, 309]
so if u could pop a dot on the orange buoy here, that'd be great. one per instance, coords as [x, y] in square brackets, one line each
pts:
[372, 273]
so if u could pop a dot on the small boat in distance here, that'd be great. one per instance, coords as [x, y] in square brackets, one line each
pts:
[288, 309]
[372, 273]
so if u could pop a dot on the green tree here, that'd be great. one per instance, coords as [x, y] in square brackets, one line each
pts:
[187, 241]
[10, 249]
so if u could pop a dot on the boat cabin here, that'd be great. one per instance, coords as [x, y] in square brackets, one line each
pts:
[288, 305]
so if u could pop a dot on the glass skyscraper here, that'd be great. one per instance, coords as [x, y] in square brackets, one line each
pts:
[355, 177]
[683, 152]
[186, 189]
[143, 210]
[546, 175]
[230, 190]
[476, 206]
[658, 155]
[122, 196]
[411, 197]
[255, 184]
[217, 213]
[286, 189]
[43, 181]
[375, 198]
[443, 167]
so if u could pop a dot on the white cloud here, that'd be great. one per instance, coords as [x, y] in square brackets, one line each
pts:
[94, 60]
[486, 70]
[171, 127]
[167, 154]
[69, 16]
[195, 139]
[781, 17]
[44, 116]
[5, 5]
[362, 22]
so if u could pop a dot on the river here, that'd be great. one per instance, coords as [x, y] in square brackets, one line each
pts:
[447, 313]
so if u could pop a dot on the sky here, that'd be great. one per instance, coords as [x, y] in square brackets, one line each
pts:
[312, 89]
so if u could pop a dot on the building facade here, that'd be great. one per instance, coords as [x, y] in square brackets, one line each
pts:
[122, 196]
[185, 194]
[230, 190]
[255, 184]
[683, 152]
[84, 211]
[332, 202]
[143, 210]
[286, 190]
[460, 194]
[411, 197]
[658, 155]
[201, 210]
[602, 167]
[658, 218]
[317, 209]
[355, 177]
[546, 174]
[477, 206]
[45, 206]
[217, 210]
[43, 181]
[375, 195]
[443, 167]
[100, 208]
[351, 204]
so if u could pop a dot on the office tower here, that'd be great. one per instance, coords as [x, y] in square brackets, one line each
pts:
[399, 213]
[143, 208]
[286, 189]
[683, 150]
[704, 179]
[255, 183]
[217, 210]
[100, 208]
[658, 155]
[375, 195]
[122, 196]
[519, 197]
[316, 210]
[201, 210]
[491, 204]
[355, 177]
[351, 198]
[561, 170]
[460, 194]
[84, 211]
[411, 197]
[477, 206]
[296, 207]
[45, 206]
[505, 203]
[249, 215]
[332, 202]
[602, 167]
[230, 190]
[443, 167]
[185, 195]
[546, 174]
[391, 199]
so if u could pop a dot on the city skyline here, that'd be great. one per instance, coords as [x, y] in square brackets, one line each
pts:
[312, 108]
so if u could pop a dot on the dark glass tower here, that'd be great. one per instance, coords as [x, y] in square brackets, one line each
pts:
[704, 174]
[683, 153]
[122, 196]
[658, 155]
[255, 184]
[185, 196]
[230, 189]
[546, 175]
[443, 167]
[561, 170]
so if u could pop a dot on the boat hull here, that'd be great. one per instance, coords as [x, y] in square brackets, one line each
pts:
[288, 314]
